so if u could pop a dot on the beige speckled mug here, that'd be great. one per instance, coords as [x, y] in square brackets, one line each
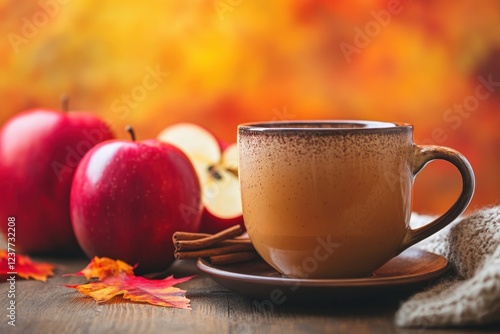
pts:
[332, 199]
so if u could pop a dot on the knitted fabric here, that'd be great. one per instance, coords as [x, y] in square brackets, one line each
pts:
[471, 296]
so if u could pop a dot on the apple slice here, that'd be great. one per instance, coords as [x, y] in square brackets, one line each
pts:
[221, 194]
[196, 142]
[217, 169]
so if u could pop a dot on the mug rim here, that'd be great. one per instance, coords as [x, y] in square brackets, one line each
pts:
[309, 125]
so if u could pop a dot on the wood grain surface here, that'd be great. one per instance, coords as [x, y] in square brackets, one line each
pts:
[52, 308]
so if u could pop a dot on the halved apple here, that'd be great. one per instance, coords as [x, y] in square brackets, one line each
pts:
[216, 164]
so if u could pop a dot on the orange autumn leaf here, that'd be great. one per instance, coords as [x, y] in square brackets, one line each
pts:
[24, 267]
[102, 267]
[117, 278]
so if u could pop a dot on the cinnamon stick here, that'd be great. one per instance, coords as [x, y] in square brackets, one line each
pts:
[194, 254]
[224, 247]
[207, 241]
[234, 242]
[189, 236]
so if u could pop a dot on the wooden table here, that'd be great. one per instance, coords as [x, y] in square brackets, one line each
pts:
[52, 308]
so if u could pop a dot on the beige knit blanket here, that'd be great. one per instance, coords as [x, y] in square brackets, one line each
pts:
[471, 296]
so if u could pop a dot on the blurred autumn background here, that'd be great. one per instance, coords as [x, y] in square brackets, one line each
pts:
[220, 63]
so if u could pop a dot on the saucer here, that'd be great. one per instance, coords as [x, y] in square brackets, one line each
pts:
[410, 270]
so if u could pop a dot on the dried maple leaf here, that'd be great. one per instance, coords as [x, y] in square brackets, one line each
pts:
[102, 267]
[24, 267]
[117, 278]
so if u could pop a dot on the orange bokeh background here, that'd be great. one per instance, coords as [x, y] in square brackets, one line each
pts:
[220, 63]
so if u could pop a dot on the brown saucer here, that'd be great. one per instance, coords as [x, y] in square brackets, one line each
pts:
[408, 271]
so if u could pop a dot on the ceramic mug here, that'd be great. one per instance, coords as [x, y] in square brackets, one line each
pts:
[332, 199]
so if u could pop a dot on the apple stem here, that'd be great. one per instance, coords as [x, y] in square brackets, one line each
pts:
[130, 130]
[214, 173]
[64, 100]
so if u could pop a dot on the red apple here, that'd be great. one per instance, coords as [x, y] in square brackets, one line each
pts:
[39, 151]
[216, 164]
[128, 198]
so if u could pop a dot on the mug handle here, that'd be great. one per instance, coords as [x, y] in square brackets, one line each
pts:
[423, 154]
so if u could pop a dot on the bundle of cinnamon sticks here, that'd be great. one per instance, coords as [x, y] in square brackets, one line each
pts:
[224, 247]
